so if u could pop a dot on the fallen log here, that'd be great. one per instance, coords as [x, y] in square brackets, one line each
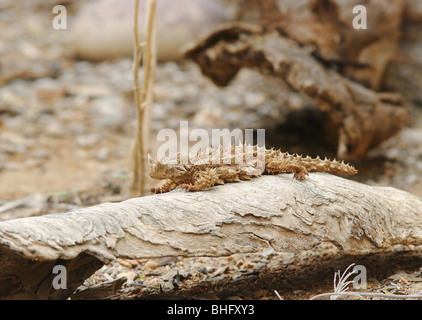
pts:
[270, 211]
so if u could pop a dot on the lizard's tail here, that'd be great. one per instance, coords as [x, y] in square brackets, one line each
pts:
[327, 165]
[277, 162]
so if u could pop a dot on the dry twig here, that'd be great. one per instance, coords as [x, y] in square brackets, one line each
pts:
[341, 286]
[143, 96]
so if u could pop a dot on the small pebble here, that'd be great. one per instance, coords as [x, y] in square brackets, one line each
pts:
[150, 265]
[124, 263]
[129, 275]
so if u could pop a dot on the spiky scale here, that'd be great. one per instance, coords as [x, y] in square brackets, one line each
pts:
[199, 175]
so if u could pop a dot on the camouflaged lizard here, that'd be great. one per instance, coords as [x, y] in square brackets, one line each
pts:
[234, 163]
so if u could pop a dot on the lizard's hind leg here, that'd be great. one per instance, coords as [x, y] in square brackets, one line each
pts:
[280, 166]
[203, 180]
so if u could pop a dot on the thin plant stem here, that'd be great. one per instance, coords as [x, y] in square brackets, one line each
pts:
[341, 285]
[143, 96]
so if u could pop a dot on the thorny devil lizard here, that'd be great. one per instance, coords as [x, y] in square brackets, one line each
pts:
[234, 163]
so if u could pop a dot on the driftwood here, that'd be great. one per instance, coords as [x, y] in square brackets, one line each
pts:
[270, 211]
[358, 118]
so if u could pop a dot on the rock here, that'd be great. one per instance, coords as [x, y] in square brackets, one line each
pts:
[150, 265]
[124, 263]
[104, 29]
[129, 275]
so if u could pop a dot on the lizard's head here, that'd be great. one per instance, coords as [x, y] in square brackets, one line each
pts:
[163, 170]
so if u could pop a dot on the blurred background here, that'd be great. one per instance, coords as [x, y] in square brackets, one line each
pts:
[67, 115]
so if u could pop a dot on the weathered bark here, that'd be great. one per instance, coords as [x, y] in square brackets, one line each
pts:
[249, 216]
[358, 118]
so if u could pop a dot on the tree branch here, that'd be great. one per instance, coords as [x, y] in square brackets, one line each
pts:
[358, 119]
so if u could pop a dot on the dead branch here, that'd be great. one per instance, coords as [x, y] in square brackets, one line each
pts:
[271, 211]
[358, 118]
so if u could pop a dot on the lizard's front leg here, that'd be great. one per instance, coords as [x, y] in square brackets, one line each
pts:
[166, 187]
